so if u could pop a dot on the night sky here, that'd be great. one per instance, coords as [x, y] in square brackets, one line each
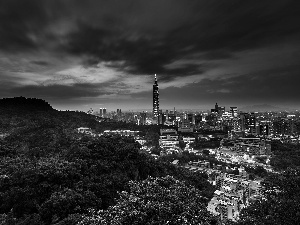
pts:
[90, 54]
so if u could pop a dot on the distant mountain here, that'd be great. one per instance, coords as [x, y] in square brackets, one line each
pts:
[24, 104]
[262, 108]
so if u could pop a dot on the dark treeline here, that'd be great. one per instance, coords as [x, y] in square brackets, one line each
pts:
[285, 155]
[22, 103]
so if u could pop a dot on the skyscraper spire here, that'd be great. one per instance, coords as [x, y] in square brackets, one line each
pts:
[155, 98]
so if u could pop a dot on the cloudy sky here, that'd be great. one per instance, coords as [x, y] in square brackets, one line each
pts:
[80, 54]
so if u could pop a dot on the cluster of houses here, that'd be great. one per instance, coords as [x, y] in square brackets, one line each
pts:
[234, 192]
[169, 141]
[84, 130]
[127, 133]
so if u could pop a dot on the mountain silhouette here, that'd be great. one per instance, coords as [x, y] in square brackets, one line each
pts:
[24, 104]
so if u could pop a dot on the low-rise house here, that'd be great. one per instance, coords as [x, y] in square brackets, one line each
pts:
[122, 132]
[84, 130]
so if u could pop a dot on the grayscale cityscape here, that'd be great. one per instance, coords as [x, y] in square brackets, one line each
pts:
[149, 112]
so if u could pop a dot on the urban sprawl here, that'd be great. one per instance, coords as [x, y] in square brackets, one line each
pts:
[243, 140]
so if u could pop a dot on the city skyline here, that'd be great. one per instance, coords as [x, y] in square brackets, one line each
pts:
[103, 54]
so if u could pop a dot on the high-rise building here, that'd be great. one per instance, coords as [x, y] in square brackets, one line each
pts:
[119, 112]
[198, 120]
[233, 111]
[244, 120]
[248, 122]
[252, 123]
[191, 118]
[155, 98]
[143, 118]
[161, 117]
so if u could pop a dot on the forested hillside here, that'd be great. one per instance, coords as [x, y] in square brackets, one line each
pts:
[50, 174]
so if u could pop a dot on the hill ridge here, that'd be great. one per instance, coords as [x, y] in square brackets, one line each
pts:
[23, 103]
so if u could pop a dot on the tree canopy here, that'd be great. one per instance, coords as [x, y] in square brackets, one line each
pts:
[162, 200]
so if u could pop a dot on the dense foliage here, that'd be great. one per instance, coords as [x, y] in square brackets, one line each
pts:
[155, 201]
[87, 175]
[280, 203]
[285, 155]
[202, 143]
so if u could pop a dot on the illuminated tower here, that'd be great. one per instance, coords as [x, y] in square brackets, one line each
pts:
[155, 98]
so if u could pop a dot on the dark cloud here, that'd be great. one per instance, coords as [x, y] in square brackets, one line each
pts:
[146, 37]
[149, 35]
[24, 23]
[215, 29]
[40, 63]
[182, 71]
[238, 25]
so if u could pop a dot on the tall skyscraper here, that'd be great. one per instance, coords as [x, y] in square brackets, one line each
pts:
[155, 98]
